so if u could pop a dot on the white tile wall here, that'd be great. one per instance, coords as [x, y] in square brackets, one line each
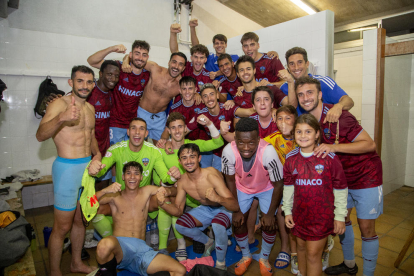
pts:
[409, 172]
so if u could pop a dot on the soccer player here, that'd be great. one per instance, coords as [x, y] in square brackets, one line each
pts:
[363, 171]
[128, 91]
[127, 249]
[252, 169]
[314, 196]
[297, 61]
[135, 149]
[217, 202]
[70, 121]
[267, 69]
[229, 82]
[176, 123]
[100, 98]
[216, 112]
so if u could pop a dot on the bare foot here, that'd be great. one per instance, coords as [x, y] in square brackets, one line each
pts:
[82, 268]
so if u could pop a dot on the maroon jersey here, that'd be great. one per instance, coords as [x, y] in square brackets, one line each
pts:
[102, 102]
[228, 86]
[126, 96]
[190, 112]
[202, 78]
[313, 200]
[265, 131]
[267, 68]
[224, 115]
[278, 94]
[244, 101]
[362, 170]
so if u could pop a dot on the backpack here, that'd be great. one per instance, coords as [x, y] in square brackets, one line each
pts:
[14, 240]
[46, 88]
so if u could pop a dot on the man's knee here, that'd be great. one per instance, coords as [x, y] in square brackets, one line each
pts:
[178, 269]
[105, 246]
[186, 221]
[313, 255]
[367, 228]
[220, 220]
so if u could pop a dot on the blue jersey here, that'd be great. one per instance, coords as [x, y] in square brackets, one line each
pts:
[211, 64]
[331, 92]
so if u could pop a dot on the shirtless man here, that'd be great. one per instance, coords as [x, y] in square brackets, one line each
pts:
[127, 249]
[70, 121]
[217, 202]
[162, 87]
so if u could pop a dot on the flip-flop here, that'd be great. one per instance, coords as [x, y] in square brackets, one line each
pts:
[251, 245]
[283, 257]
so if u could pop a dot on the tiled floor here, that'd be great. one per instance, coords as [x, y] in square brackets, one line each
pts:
[393, 228]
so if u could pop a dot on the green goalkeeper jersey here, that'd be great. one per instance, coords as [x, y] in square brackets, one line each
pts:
[149, 157]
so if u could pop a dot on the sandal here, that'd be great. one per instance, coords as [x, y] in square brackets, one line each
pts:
[283, 257]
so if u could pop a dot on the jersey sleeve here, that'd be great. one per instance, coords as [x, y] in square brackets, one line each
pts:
[272, 163]
[234, 58]
[279, 96]
[228, 161]
[331, 91]
[340, 189]
[108, 160]
[288, 189]
[161, 169]
[284, 88]
[209, 145]
[231, 113]
[276, 67]
[187, 70]
[350, 125]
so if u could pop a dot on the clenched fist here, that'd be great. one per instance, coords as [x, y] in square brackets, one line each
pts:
[175, 28]
[119, 49]
[114, 188]
[193, 22]
[212, 195]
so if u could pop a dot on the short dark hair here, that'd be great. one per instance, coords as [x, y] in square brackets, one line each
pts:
[224, 56]
[244, 58]
[82, 69]
[190, 147]
[310, 120]
[138, 119]
[141, 44]
[249, 35]
[263, 88]
[307, 80]
[206, 86]
[108, 62]
[174, 116]
[287, 109]
[294, 51]
[132, 164]
[199, 48]
[179, 54]
[247, 124]
[187, 80]
[220, 37]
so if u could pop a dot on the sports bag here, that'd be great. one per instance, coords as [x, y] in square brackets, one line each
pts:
[46, 88]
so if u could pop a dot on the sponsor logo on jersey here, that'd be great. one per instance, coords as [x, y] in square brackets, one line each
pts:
[129, 92]
[142, 82]
[222, 118]
[308, 182]
[327, 133]
[126, 79]
[108, 154]
[295, 171]
[98, 103]
[102, 115]
[249, 175]
[262, 69]
[145, 161]
[319, 168]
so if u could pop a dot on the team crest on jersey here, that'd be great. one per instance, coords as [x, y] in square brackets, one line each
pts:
[319, 169]
[108, 154]
[126, 79]
[262, 69]
[200, 83]
[142, 82]
[222, 118]
[145, 161]
[327, 133]
[196, 110]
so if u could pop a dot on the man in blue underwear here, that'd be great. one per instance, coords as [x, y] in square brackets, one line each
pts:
[70, 121]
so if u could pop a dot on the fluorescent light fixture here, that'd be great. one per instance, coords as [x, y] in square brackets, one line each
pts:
[362, 29]
[303, 6]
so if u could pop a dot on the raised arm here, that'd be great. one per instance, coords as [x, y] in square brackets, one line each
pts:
[194, 39]
[174, 30]
[244, 112]
[97, 59]
[221, 194]
[106, 195]
[57, 113]
[177, 208]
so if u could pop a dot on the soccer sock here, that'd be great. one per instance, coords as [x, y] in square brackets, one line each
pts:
[178, 236]
[109, 266]
[164, 225]
[243, 242]
[187, 227]
[221, 239]
[102, 225]
[370, 247]
[347, 242]
[267, 243]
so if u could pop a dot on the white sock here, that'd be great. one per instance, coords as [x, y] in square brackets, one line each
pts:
[181, 243]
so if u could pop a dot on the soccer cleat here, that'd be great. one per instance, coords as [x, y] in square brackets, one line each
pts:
[242, 265]
[221, 266]
[331, 242]
[325, 260]
[265, 268]
[294, 264]
[341, 268]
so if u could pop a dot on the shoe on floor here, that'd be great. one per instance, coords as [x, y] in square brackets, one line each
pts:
[221, 266]
[340, 269]
[181, 254]
[66, 244]
[242, 265]
[294, 267]
[325, 260]
[265, 268]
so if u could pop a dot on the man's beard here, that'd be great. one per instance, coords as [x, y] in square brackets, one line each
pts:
[76, 92]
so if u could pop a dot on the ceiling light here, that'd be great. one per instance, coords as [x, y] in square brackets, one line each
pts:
[303, 6]
[362, 29]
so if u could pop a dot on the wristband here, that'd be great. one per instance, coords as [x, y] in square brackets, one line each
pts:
[213, 130]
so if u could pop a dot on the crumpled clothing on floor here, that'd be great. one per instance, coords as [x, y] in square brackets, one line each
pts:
[189, 263]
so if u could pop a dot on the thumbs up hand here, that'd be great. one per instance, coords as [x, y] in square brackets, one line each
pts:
[72, 113]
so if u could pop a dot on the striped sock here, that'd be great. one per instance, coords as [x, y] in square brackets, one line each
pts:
[370, 247]
[267, 243]
[243, 242]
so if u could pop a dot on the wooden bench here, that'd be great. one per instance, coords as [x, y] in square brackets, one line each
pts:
[46, 179]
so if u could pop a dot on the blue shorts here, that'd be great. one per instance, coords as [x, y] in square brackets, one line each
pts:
[106, 176]
[206, 159]
[245, 200]
[137, 255]
[367, 202]
[117, 134]
[205, 214]
[67, 180]
[155, 122]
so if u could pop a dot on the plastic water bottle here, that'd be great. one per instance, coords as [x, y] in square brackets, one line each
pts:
[154, 235]
[148, 232]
